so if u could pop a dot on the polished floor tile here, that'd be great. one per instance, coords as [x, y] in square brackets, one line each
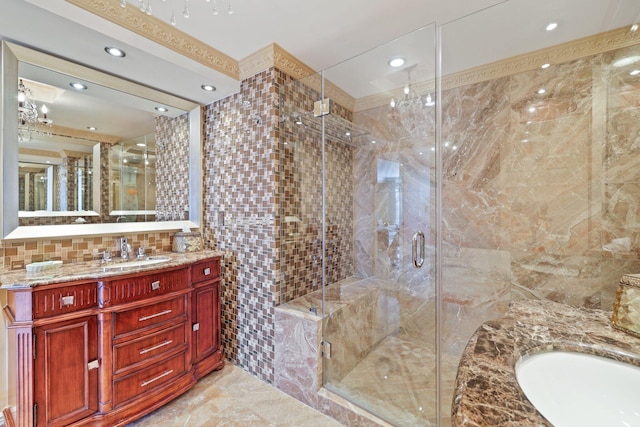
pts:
[233, 398]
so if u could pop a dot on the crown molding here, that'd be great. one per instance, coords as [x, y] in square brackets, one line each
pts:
[162, 33]
[576, 49]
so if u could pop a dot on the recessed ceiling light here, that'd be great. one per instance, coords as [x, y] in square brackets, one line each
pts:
[627, 60]
[114, 51]
[92, 128]
[162, 109]
[78, 86]
[635, 72]
[397, 62]
[208, 88]
[545, 66]
[552, 26]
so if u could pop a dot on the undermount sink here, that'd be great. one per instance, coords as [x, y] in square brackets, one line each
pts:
[576, 389]
[137, 263]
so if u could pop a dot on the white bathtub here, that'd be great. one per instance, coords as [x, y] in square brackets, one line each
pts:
[576, 389]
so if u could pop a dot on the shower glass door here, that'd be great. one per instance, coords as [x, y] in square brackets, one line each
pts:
[379, 199]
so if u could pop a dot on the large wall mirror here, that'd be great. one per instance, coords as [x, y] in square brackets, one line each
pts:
[86, 153]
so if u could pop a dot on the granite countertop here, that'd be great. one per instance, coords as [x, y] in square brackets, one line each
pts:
[95, 270]
[486, 390]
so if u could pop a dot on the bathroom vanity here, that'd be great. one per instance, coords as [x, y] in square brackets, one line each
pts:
[103, 346]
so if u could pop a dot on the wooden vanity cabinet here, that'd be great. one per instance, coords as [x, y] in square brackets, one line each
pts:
[108, 352]
[65, 371]
[206, 350]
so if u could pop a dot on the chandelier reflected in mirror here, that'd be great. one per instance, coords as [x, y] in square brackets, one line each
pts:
[29, 119]
[145, 7]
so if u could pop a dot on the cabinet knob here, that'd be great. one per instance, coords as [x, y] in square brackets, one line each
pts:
[155, 285]
[207, 271]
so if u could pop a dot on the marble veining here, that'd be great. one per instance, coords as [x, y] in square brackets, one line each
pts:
[487, 392]
[94, 270]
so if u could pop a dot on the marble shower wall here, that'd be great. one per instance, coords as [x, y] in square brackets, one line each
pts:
[405, 136]
[537, 190]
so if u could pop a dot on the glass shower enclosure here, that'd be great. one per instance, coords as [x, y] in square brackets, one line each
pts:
[431, 195]
[358, 209]
[380, 320]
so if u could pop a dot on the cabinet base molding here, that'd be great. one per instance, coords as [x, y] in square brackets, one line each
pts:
[214, 362]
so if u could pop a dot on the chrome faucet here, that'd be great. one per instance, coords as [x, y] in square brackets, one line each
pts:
[125, 248]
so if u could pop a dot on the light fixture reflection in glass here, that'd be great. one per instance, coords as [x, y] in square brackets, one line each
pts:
[430, 102]
[627, 60]
[552, 26]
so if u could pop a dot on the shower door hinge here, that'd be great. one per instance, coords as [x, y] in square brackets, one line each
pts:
[326, 349]
[322, 107]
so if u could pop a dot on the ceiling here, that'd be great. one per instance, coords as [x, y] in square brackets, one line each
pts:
[320, 34]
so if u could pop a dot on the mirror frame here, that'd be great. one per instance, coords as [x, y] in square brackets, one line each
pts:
[10, 55]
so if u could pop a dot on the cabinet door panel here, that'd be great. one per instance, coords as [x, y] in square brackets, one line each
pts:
[66, 385]
[206, 335]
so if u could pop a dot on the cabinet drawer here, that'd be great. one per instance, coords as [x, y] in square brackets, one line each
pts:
[149, 379]
[67, 299]
[136, 288]
[149, 315]
[137, 352]
[205, 270]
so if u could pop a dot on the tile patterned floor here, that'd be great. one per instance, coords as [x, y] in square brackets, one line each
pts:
[233, 398]
[397, 382]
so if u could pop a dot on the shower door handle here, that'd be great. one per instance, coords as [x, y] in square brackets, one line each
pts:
[418, 261]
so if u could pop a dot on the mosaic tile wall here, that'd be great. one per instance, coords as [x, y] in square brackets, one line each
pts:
[172, 168]
[301, 194]
[241, 202]
[62, 183]
[255, 184]
[15, 255]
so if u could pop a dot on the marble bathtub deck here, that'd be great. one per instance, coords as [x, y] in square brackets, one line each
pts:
[487, 392]
[232, 397]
